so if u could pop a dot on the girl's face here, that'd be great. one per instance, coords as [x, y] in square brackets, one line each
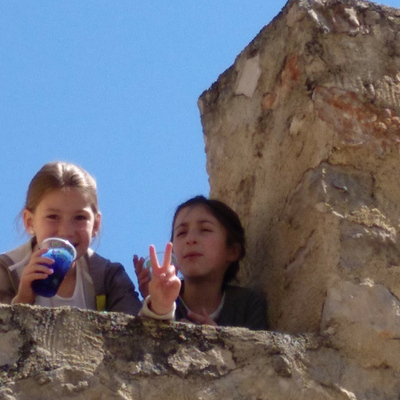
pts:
[199, 241]
[66, 214]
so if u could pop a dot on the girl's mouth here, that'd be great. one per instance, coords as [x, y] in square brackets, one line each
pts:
[192, 255]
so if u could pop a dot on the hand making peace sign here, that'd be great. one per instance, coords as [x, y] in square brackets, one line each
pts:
[164, 286]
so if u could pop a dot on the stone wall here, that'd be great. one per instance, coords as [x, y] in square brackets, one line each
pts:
[62, 354]
[302, 138]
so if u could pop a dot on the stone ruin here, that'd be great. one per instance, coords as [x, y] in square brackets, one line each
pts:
[302, 138]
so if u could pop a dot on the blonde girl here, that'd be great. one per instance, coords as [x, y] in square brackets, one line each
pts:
[62, 202]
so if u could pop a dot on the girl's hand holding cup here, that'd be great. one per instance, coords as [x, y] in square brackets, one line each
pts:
[38, 268]
[63, 254]
[46, 270]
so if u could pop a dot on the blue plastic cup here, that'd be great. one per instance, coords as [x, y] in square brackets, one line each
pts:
[63, 253]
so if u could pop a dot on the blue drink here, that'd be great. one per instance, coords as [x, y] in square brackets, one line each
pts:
[63, 254]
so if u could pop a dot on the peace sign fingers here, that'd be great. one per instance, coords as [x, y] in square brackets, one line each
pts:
[164, 285]
[166, 267]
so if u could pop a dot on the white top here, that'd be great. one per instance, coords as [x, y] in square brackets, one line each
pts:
[76, 300]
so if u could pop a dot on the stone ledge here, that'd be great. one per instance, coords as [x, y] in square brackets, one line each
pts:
[71, 353]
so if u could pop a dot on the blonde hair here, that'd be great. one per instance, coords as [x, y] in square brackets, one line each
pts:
[61, 175]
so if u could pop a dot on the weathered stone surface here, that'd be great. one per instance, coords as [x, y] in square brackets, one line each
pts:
[68, 353]
[302, 138]
[64, 354]
[367, 317]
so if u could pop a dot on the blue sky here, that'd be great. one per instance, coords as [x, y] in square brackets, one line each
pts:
[113, 86]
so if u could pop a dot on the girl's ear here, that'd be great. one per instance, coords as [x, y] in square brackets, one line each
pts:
[27, 217]
[234, 252]
[96, 225]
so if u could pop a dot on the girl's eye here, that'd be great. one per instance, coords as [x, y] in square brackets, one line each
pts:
[180, 233]
[52, 216]
[81, 217]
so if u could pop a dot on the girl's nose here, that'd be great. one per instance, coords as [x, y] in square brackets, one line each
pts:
[191, 238]
[65, 230]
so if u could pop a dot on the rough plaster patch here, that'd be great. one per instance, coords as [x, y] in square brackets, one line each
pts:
[366, 304]
[9, 347]
[188, 358]
[248, 77]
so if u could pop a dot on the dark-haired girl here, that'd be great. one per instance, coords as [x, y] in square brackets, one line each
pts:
[208, 242]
